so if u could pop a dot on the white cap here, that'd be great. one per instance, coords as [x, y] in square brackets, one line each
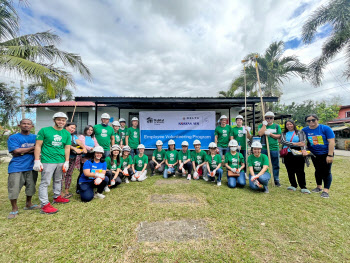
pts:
[239, 117]
[270, 113]
[212, 145]
[116, 123]
[59, 115]
[126, 148]
[184, 143]
[98, 149]
[171, 142]
[141, 146]
[256, 144]
[159, 142]
[116, 147]
[196, 142]
[233, 143]
[105, 116]
[223, 117]
[134, 119]
[122, 119]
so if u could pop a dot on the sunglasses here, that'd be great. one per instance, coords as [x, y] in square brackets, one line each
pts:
[268, 118]
[312, 120]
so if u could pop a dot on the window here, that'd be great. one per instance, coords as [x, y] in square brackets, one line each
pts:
[347, 114]
[81, 119]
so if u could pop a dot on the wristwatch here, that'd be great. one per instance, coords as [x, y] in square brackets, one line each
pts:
[330, 155]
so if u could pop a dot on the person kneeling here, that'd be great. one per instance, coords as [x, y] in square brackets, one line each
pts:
[258, 164]
[184, 158]
[93, 176]
[234, 163]
[199, 165]
[113, 170]
[170, 160]
[139, 165]
[214, 164]
[158, 162]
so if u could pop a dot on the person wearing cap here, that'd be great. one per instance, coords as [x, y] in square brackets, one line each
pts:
[222, 135]
[94, 176]
[113, 162]
[184, 157]
[104, 134]
[170, 160]
[122, 131]
[158, 159]
[51, 157]
[321, 142]
[20, 168]
[258, 164]
[139, 165]
[198, 158]
[117, 135]
[273, 132]
[235, 165]
[125, 164]
[132, 138]
[213, 161]
[241, 133]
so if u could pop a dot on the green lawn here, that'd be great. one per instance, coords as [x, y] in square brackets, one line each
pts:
[246, 226]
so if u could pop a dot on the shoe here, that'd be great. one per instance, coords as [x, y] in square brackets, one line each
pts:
[277, 184]
[184, 174]
[316, 190]
[60, 200]
[324, 195]
[305, 191]
[48, 209]
[153, 173]
[266, 190]
[189, 177]
[174, 175]
[291, 188]
[218, 183]
[100, 196]
[126, 180]
[107, 190]
[205, 178]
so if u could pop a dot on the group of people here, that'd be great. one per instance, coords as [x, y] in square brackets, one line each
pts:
[107, 156]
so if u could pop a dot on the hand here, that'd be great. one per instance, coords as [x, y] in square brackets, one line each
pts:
[84, 150]
[180, 167]
[112, 182]
[38, 166]
[329, 159]
[125, 172]
[301, 144]
[157, 166]
[100, 175]
[234, 170]
[254, 178]
[238, 170]
[247, 128]
[304, 152]
[65, 166]
[264, 123]
[98, 181]
[78, 150]
[268, 133]
[239, 147]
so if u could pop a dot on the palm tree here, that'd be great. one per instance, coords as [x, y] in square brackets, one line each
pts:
[34, 57]
[8, 103]
[337, 14]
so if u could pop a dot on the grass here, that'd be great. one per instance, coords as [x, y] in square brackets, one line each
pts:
[245, 226]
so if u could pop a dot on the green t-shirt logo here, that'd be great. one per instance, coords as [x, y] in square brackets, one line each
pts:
[240, 133]
[103, 133]
[234, 161]
[125, 164]
[224, 133]
[135, 134]
[213, 163]
[172, 157]
[257, 165]
[139, 163]
[199, 159]
[57, 141]
[159, 156]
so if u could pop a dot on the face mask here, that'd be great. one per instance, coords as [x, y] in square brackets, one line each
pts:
[233, 149]
[104, 124]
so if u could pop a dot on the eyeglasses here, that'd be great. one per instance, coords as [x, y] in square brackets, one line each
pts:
[312, 120]
[268, 118]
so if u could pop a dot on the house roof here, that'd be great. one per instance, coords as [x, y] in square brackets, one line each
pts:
[64, 104]
[345, 106]
[339, 121]
[341, 128]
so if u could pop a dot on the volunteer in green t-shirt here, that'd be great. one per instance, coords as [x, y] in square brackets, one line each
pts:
[258, 165]
[223, 135]
[117, 135]
[170, 160]
[113, 170]
[123, 129]
[185, 163]
[198, 158]
[125, 163]
[235, 165]
[139, 165]
[273, 132]
[240, 133]
[213, 161]
[53, 144]
[104, 134]
[158, 159]
[133, 136]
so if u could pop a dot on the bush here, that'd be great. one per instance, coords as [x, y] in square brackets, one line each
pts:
[347, 145]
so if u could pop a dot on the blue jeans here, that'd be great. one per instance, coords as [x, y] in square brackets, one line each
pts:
[134, 152]
[165, 174]
[223, 151]
[275, 161]
[263, 179]
[218, 173]
[232, 181]
[86, 189]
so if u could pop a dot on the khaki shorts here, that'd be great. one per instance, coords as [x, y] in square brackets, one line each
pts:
[17, 180]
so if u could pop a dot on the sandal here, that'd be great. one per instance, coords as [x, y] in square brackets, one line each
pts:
[305, 191]
[68, 195]
[12, 215]
[291, 188]
[33, 207]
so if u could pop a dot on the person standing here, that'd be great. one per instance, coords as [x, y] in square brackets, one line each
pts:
[321, 142]
[51, 155]
[104, 134]
[123, 129]
[20, 168]
[240, 133]
[223, 135]
[184, 158]
[132, 138]
[273, 133]
[158, 159]
[117, 135]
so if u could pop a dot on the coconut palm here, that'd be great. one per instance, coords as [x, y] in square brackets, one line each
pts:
[337, 14]
[34, 57]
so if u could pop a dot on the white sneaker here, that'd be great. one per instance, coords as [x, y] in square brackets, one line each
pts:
[107, 190]
[100, 196]
[126, 180]
[189, 177]
[205, 178]
[174, 175]
[218, 183]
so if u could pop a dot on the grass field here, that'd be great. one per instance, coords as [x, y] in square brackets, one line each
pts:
[245, 226]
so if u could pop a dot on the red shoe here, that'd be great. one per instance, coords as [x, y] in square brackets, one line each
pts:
[48, 209]
[60, 200]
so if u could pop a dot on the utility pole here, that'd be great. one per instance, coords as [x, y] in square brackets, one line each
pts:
[23, 109]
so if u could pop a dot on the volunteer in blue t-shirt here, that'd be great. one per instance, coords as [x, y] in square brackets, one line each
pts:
[93, 176]
[321, 143]
[21, 146]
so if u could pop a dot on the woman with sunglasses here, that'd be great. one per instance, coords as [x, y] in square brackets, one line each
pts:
[321, 143]
[292, 138]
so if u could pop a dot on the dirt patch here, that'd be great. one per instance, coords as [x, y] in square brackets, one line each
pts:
[170, 181]
[178, 231]
[179, 198]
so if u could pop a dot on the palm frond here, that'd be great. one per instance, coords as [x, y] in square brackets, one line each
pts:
[8, 20]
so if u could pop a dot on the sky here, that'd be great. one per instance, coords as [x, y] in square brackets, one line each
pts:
[180, 48]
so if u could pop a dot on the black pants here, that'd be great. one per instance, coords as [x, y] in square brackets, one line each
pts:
[152, 165]
[295, 166]
[118, 180]
[187, 166]
[322, 170]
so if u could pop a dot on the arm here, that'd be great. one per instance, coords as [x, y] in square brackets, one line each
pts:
[37, 150]
[67, 152]
[154, 160]
[262, 130]
[263, 170]
[116, 173]
[22, 151]
[216, 139]
[208, 167]
[194, 165]
[96, 143]
[331, 146]
[82, 145]
[127, 140]
[144, 167]
[275, 136]
[112, 139]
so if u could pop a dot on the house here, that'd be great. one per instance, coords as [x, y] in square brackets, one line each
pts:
[343, 117]
[341, 131]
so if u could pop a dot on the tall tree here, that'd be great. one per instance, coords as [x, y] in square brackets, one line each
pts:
[9, 105]
[336, 14]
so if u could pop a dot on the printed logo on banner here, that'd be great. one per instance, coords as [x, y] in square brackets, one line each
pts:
[149, 120]
[155, 121]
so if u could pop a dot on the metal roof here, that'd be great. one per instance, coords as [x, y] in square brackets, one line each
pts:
[64, 104]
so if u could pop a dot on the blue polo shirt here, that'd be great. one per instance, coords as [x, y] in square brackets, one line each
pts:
[318, 138]
[93, 167]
